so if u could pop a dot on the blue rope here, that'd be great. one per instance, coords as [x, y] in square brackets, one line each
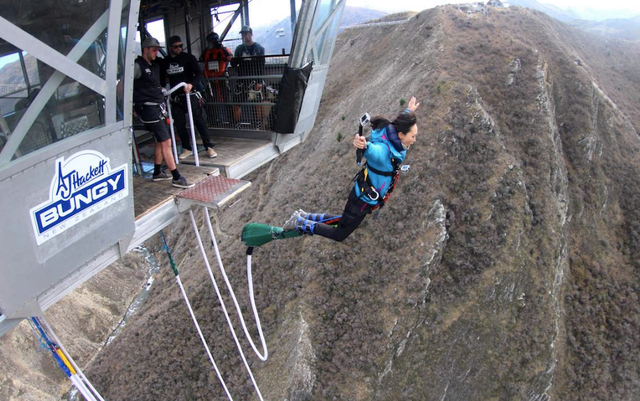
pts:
[166, 248]
[51, 346]
[164, 242]
[42, 344]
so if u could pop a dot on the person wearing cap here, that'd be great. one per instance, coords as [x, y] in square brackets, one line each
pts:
[148, 103]
[248, 59]
[179, 67]
[215, 59]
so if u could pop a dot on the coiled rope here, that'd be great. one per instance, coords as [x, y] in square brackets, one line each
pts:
[264, 355]
[261, 355]
[193, 316]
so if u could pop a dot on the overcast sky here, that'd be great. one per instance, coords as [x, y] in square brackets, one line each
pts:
[633, 5]
[418, 5]
[266, 12]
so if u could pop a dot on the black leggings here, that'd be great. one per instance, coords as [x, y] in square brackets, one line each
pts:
[354, 212]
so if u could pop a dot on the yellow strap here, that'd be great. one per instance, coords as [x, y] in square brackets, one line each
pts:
[66, 361]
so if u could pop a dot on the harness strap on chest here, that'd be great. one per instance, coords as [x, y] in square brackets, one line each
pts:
[375, 170]
[366, 187]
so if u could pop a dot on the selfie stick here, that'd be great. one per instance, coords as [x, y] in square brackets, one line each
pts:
[359, 152]
[365, 119]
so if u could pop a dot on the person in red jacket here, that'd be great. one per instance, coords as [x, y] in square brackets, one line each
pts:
[215, 59]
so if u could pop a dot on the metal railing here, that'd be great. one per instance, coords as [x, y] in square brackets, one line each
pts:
[244, 98]
[174, 146]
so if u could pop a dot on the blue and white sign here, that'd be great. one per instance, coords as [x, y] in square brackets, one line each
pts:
[82, 185]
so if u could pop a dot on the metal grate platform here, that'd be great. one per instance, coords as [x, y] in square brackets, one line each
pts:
[213, 191]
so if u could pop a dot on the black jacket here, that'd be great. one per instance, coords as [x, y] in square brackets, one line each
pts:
[182, 68]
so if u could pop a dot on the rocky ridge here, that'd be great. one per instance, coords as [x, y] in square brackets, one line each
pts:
[503, 267]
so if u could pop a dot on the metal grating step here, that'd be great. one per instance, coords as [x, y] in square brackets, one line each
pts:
[213, 192]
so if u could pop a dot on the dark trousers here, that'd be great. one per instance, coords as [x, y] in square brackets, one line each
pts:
[219, 93]
[179, 110]
[354, 213]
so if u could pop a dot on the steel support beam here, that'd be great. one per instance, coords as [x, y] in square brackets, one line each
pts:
[27, 42]
[113, 38]
[230, 24]
[49, 89]
[24, 72]
[186, 24]
[293, 16]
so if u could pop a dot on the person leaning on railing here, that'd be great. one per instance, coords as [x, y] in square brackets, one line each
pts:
[148, 102]
[180, 67]
[248, 60]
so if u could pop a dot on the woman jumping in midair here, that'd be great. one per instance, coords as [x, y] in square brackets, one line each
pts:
[384, 152]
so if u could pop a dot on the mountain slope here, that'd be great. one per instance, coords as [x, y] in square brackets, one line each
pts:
[505, 266]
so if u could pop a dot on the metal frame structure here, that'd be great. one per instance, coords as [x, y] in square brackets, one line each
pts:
[37, 273]
[82, 250]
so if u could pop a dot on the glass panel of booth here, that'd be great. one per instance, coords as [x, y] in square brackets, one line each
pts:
[46, 105]
[328, 39]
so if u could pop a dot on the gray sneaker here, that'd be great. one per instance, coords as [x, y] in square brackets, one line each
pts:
[162, 176]
[302, 213]
[290, 225]
[182, 183]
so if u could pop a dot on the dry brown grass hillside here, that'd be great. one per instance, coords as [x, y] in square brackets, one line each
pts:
[505, 266]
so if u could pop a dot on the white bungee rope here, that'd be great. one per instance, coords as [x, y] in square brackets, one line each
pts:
[265, 352]
[193, 317]
[264, 355]
[48, 340]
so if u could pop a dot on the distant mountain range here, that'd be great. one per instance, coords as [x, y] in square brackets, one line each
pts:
[611, 23]
[616, 28]
[573, 14]
[549, 9]
[274, 41]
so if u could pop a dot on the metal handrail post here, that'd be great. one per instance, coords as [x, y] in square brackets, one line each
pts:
[173, 135]
[194, 145]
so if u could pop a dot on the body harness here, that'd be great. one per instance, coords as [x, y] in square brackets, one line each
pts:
[363, 181]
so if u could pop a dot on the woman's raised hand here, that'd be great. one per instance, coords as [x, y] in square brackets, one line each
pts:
[412, 104]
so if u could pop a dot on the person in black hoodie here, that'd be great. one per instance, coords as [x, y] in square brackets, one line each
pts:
[148, 103]
[178, 67]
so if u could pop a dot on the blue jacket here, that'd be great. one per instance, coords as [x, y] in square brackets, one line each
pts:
[384, 145]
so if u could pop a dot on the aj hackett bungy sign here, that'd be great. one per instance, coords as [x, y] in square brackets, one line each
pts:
[82, 185]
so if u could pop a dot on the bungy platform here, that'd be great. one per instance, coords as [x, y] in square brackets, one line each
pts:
[158, 204]
[236, 156]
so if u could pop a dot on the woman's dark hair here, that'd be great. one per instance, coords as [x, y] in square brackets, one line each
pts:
[402, 123]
